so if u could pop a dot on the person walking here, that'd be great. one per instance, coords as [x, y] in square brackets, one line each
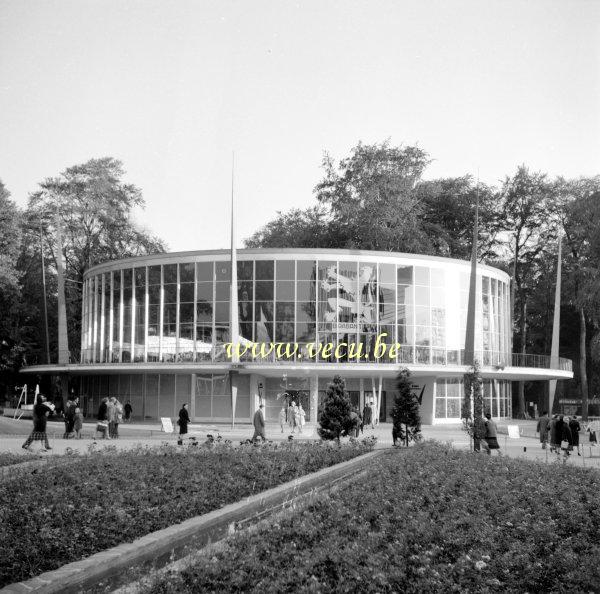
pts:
[491, 435]
[566, 438]
[183, 422]
[41, 410]
[542, 429]
[128, 409]
[300, 417]
[102, 423]
[292, 416]
[575, 428]
[553, 432]
[78, 422]
[368, 415]
[113, 417]
[69, 415]
[259, 423]
[282, 418]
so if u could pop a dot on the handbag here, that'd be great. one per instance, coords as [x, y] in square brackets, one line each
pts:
[564, 445]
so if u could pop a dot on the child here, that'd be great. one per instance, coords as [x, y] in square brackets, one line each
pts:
[78, 424]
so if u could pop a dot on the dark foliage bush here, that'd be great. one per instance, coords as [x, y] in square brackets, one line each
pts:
[63, 513]
[336, 419]
[405, 414]
[427, 519]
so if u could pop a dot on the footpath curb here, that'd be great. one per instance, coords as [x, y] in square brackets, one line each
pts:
[164, 546]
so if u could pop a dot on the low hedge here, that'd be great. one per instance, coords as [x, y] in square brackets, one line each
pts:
[55, 515]
[427, 519]
[8, 458]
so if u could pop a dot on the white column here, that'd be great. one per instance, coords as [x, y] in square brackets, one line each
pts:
[314, 397]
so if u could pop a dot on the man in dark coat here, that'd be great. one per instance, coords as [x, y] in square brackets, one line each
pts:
[183, 422]
[542, 429]
[40, 413]
[368, 415]
[259, 423]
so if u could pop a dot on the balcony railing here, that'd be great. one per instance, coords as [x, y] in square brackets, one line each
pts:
[404, 355]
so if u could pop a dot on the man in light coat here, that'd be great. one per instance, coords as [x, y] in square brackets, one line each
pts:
[542, 429]
[259, 423]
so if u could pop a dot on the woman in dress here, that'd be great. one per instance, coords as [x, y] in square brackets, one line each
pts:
[183, 421]
[282, 418]
[300, 417]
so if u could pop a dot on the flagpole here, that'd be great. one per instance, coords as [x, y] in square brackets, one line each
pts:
[233, 302]
[471, 308]
[46, 331]
[555, 327]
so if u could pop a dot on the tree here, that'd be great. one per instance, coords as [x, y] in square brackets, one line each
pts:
[449, 212]
[405, 413]
[472, 406]
[11, 347]
[298, 228]
[371, 196]
[578, 204]
[528, 227]
[93, 206]
[335, 418]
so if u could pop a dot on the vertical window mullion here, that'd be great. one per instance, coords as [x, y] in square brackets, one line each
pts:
[161, 314]
[102, 320]
[111, 317]
[177, 316]
[121, 318]
[147, 313]
[132, 315]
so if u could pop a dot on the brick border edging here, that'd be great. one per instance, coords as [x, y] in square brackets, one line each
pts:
[163, 546]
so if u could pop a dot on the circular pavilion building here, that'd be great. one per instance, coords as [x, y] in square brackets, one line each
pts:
[157, 331]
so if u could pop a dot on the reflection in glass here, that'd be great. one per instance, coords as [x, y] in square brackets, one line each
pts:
[405, 275]
[264, 270]
[285, 270]
[284, 290]
[264, 290]
[306, 270]
[245, 270]
[204, 271]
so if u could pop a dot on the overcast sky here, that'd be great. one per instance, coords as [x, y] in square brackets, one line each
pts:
[172, 88]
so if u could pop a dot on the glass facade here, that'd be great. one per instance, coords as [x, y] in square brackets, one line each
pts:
[338, 309]
[449, 395]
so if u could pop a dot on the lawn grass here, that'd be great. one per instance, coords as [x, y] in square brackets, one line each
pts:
[426, 519]
[58, 514]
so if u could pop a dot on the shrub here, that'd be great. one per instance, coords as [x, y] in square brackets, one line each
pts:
[336, 419]
[405, 413]
[427, 519]
[85, 504]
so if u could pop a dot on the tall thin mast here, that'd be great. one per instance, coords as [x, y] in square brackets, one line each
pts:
[555, 327]
[233, 305]
[471, 308]
[46, 331]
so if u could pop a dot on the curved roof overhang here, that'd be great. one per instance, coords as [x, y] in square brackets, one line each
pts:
[277, 369]
[286, 253]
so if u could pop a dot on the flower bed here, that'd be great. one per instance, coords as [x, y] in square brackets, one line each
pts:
[427, 519]
[63, 513]
[8, 459]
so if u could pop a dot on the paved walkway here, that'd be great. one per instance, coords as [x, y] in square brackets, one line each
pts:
[13, 434]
